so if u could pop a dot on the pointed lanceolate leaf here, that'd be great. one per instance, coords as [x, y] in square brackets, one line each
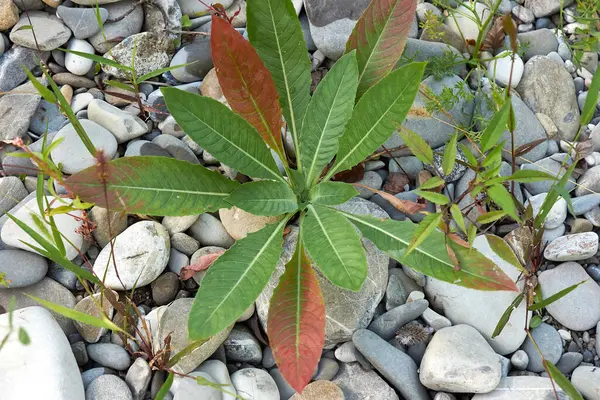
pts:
[296, 323]
[562, 381]
[496, 127]
[329, 110]
[266, 198]
[275, 33]
[152, 186]
[335, 247]
[379, 37]
[332, 193]
[221, 132]
[377, 115]
[555, 297]
[431, 258]
[235, 280]
[506, 315]
[246, 82]
[423, 230]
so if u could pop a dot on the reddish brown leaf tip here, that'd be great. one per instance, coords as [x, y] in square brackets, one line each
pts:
[201, 264]
[246, 82]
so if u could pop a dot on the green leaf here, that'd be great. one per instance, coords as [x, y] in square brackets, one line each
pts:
[536, 321]
[377, 115]
[161, 71]
[417, 146]
[424, 229]
[495, 128]
[458, 217]
[379, 37]
[437, 198]
[266, 198]
[431, 258]
[332, 193]
[432, 183]
[504, 199]
[555, 297]
[552, 196]
[24, 28]
[503, 250]
[43, 90]
[471, 159]
[120, 85]
[493, 158]
[589, 107]
[100, 60]
[153, 186]
[506, 315]
[328, 112]
[335, 247]
[49, 250]
[449, 158]
[491, 216]
[78, 316]
[562, 381]
[530, 175]
[275, 33]
[223, 133]
[24, 336]
[164, 389]
[235, 280]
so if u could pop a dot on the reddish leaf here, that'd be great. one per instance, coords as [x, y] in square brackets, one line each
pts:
[352, 175]
[200, 265]
[379, 37]
[246, 82]
[296, 324]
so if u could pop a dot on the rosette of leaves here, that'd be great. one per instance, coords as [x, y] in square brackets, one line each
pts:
[355, 108]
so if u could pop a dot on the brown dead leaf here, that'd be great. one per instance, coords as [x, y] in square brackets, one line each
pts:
[352, 175]
[405, 206]
[495, 36]
[200, 265]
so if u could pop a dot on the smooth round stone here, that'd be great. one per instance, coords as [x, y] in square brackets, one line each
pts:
[189, 389]
[145, 148]
[586, 380]
[90, 305]
[82, 21]
[463, 21]
[164, 289]
[141, 253]
[22, 268]
[109, 355]
[81, 101]
[218, 371]
[578, 246]
[198, 56]
[578, 310]
[72, 153]
[500, 69]
[319, 390]
[550, 344]
[50, 32]
[108, 387]
[126, 23]
[177, 260]
[242, 346]
[76, 64]
[519, 360]
[459, 359]
[327, 369]
[138, 378]
[176, 148]
[88, 376]
[255, 384]
[209, 231]
[121, 124]
[67, 224]
[12, 191]
[48, 358]
[568, 362]
[178, 224]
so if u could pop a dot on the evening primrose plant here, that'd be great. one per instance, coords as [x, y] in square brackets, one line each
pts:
[356, 107]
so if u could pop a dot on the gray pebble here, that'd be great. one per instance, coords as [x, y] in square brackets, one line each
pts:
[108, 387]
[550, 344]
[242, 346]
[568, 362]
[388, 324]
[109, 355]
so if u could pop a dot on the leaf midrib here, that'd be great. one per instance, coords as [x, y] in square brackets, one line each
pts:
[128, 187]
[276, 175]
[318, 219]
[321, 137]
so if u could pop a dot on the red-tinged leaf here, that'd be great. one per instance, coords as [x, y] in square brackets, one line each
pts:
[246, 82]
[296, 323]
[405, 206]
[201, 264]
[379, 38]
[352, 175]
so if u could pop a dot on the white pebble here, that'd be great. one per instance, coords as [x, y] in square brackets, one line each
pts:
[500, 69]
[81, 101]
[76, 64]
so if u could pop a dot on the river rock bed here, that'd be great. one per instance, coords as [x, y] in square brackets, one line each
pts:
[403, 335]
